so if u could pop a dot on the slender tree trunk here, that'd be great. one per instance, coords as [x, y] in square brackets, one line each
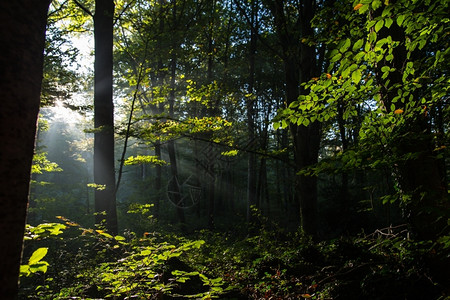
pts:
[104, 173]
[158, 181]
[262, 191]
[22, 36]
[175, 188]
[344, 192]
[158, 109]
[211, 175]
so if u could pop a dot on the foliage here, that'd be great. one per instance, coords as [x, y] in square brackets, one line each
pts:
[276, 265]
[182, 75]
[388, 69]
[42, 164]
[43, 230]
[141, 159]
[35, 263]
[117, 266]
[272, 264]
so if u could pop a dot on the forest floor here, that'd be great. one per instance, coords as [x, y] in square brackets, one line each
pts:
[269, 265]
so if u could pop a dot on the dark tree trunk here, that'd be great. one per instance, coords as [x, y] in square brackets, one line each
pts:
[344, 194]
[158, 181]
[300, 66]
[251, 128]
[104, 173]
[22, 36]
[158, 109]
[211, 175]
[262, 191]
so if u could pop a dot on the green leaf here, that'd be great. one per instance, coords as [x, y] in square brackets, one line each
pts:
[144, 159]
[363, 9]
[372, 37]
[359, 56]
[37, 255]
[107, 235]
[376, 4]
[358, 44]
[388, 22]
[400, 20]
[367, 46]
[230, 153]
[345, 46]
[336, 57]
[379, 25]
[392, 107]
[356, 76]
[119, 238]
[39, 267]
[25, 270]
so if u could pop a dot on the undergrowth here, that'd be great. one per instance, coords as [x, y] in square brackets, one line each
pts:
[270, 264]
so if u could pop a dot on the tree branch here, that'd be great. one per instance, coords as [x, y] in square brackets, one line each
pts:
[83, 8]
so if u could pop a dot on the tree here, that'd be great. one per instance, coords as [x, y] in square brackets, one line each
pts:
[104, 173]
[420, 180]
[397, 67]
[250, 105]
[22, 36]
[292, 22]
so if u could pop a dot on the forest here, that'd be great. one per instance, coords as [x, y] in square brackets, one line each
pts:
[239, 149]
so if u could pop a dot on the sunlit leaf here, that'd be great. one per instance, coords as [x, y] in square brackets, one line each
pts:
[37, 255]
[98, 187]
[229, 153]
[379, 25]
[356, 76]
[144, 159]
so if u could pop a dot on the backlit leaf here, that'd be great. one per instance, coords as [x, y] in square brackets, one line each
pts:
[358, 44]
[379, 25]
[356, 76]
[400, 20]
[37, 255]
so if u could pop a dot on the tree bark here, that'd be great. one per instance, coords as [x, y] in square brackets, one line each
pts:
[251, 128]
[104, 173]
[300, 66]
[22, 36]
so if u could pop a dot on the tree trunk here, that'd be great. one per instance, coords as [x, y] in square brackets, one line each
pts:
[158, 109]
[104, 173]
[300, 66]
[158, 181]
[175, 188]
[22, 36]
[251, 128]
